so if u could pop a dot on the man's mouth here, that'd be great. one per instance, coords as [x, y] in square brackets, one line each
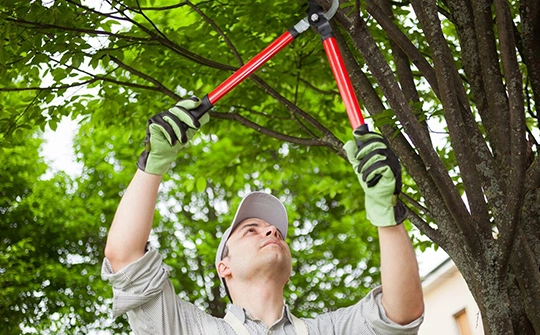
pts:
[270, 242]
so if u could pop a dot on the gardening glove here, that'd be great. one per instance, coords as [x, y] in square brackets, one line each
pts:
[167, 133]
[379, 173]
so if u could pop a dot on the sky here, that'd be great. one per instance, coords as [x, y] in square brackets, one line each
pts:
[58, 148]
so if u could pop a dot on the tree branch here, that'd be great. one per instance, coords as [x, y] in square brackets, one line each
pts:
[153, 37]
[252, 111]
[491, 74]
[14, 124]
[219, 31]
[318, 90]
[423, 226]
[515, 190]
[401, 146]
[120, 83]
[415, 204]
[47, 26]
[403, 68]
[487, 165]
[292, 107]
[450, 90]
[265, 131]
[329, 137]
[530, 34]
[181, 4]
[141, 12]
[49, 88]
[91, 10]
[157, 84]
[533, 176]
[165, 41]
[298, 80]
[383, 74]
[465, 27]
[398, 37]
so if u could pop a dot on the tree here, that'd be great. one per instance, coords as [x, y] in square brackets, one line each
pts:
[51, 248]
[207, 180]
[471, 69]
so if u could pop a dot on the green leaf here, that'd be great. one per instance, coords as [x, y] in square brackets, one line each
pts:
[201, 184]
[229, 180]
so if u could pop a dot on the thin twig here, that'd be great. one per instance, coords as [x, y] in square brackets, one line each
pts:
[20, 116]
[318, 90]
[32, 24]
[219, 31]
[107, 15]
[50, 88]
[252, 111]
[150, 21]
[157, 84]
[164, 7]
[283, 137]
[433, 234]
[415, 203]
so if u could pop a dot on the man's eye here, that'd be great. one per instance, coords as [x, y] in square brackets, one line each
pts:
[250, 230]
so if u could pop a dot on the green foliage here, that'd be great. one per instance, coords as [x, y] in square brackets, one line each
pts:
[113, 71]
[51, 248]
[114, 64]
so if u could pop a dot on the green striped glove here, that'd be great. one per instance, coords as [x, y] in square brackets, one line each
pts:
[167, 133]
[379, 173]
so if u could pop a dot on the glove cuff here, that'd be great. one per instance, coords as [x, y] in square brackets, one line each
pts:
[400, 212]
[386, 216]
[157, 166]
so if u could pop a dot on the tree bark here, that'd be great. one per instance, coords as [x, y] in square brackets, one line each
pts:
[523, 264]
[501, 266]
[530, 15]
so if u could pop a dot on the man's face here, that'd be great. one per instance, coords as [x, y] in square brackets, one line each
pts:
[257, 248]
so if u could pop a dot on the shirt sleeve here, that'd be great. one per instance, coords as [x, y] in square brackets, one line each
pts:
[137, 283]
[365, 317]
[143, 291]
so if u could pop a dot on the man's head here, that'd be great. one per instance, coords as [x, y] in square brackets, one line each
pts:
[255, 240]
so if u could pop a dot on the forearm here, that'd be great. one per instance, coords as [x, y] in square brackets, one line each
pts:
[402, 290]
[133, 221]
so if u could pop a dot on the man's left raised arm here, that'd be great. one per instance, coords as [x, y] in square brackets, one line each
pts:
[379, 173]
[402, 296]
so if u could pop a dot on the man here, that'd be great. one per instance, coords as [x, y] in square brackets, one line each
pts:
[253, 259]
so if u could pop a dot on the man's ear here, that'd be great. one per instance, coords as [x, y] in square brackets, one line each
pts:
[223, 269]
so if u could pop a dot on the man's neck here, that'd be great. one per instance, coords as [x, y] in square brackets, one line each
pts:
[263, 302]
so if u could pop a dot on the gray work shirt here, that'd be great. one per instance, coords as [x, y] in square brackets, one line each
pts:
[144, 291]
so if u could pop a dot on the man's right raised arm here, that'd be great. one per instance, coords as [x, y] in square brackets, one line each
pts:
[133, 221]
[166, 134]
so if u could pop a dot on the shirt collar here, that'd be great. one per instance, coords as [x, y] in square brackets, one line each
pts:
[242, 314]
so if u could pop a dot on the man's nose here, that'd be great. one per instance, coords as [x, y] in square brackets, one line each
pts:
[272, 230]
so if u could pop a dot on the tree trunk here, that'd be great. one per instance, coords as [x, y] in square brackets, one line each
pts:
[495, 307]
[509, 304]
[525, 268]
[502, 272]
[520, 321]
[488, 289]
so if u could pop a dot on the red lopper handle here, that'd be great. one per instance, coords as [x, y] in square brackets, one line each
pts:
[344, 82]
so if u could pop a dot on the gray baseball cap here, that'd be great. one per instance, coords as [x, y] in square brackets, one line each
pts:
[259, 205]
